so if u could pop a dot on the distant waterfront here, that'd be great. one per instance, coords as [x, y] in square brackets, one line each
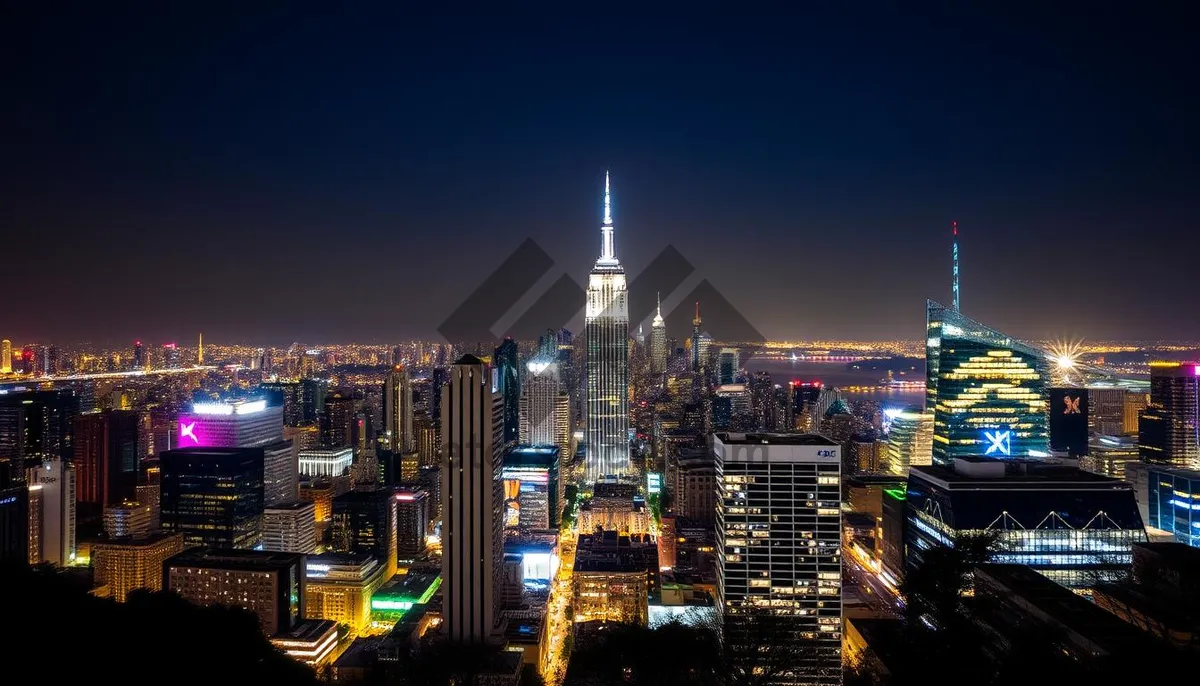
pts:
[841, 375]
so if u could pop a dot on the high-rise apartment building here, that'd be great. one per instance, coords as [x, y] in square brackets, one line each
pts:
[290, 527]
[472, 498]
[398, 411]
[127, 564]
[909, 441]
[128, 519]
[1106, 414]
[35, 425]
[508, 373]
[337, 421]
[271, 585]
[539, 403]
[531, 474]
[55, 481]
[606, 330]
[365, 522]
[213, 496]
[1169, 428]
[412, 521]
[779, 544]
[985, 390]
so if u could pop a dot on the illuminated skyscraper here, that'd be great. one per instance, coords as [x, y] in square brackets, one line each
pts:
[398, 410]
[5, 356]
[509, 375]
[539, 400]
[139, 355]
[472, 501]
[105, 456]
[56, 480]
[909, 441]
[213, 496]
[658, 342]
[779, 546]
[251, 424]
[986, 391]
[606, 330]
[1167, 428]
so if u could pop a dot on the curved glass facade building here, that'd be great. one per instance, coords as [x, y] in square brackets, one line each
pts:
[985, 390]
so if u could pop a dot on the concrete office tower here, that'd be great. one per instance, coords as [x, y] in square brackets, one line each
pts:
[472, 501]
[56, 481]
[910, 441]
[606, 330]
[398, 411]
[779, 543]
[539, 403]
[658, 342]
[290, 527]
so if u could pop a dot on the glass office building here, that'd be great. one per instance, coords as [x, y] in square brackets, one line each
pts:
[1173, 502]
[1074, 527]
[985, 390]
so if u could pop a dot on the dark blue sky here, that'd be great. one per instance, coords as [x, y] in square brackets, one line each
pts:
[334, 174]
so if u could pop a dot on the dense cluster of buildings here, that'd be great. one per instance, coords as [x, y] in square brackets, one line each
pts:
[521, 495]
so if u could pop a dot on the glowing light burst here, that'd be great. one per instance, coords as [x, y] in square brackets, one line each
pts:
[1064, 358]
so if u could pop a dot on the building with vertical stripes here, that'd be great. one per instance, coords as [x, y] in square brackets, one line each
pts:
[472, 501]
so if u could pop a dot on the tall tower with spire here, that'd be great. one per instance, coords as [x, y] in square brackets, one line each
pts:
[697, 357]
[658, 341]
[954, 251]
[606, 330]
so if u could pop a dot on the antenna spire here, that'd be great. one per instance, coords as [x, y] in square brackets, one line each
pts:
[954, 254]
[608, 253]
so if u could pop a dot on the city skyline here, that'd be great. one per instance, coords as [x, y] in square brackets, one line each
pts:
[1055, 144]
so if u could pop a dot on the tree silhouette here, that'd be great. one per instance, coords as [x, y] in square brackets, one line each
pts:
[157, 634]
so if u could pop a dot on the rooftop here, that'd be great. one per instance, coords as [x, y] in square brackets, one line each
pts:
[1060, 605]
[294, 506]
[234, 558]
[773, 439]
[308, 630]
[982, 472]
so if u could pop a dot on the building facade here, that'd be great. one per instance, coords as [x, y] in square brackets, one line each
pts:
[127, 564]
[290, 527]
[55, 479]
[271, 585]
[1075, 527]
[779, 543]
[213, 496]
[472, 501]
[1168, 427]
[340, 586]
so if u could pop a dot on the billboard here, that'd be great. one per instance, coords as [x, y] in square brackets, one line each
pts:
[1069, 420]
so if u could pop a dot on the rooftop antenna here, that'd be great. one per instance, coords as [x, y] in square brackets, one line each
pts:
[954, 228]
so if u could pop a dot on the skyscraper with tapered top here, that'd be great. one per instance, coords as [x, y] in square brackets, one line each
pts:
[606, 331]
[658, 341]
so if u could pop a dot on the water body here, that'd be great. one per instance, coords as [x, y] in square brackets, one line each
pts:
[843, 375]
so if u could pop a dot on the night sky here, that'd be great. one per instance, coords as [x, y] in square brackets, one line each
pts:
[274, 175]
